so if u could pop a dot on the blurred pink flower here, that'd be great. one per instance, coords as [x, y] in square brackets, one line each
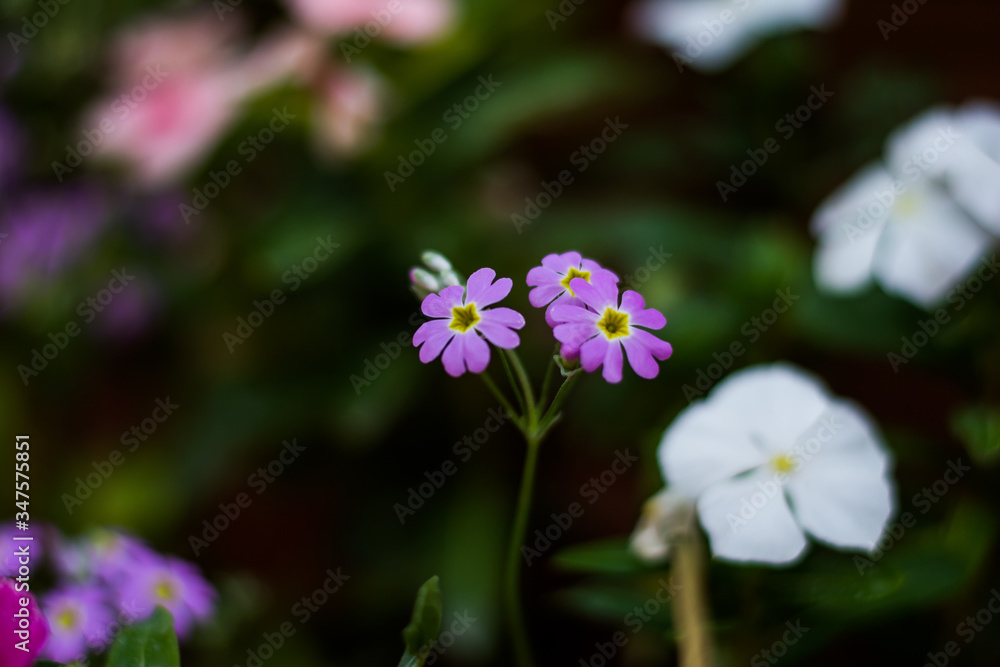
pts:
[348, 110]
[401, 21]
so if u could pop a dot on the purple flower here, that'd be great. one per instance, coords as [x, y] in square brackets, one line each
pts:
[552, 281]
[8, 546]
[79, 617]
[171, 583]
[460, 326]
[46, 232]
[112, 555]
[33, 633]
[604, 328]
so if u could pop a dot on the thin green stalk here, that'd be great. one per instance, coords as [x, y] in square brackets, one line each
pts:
[547, 383]
[513, 383]
[488, 381]
[553, 412]
[529, 396]
[515, 615]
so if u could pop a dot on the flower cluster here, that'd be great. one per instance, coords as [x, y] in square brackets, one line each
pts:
[768, 457]
[107, 580]
[921, 219]
[596, 324]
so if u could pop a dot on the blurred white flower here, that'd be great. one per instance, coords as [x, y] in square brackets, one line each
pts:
[664, 517]
[710, 35]
[769, 456]
[919, 222]
[349, 109]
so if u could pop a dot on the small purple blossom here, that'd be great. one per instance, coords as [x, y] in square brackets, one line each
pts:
[553, 281]
[462, 326]
[35, 635]
[113, 555]
[79, 617]
[171, 583]
[603, 328]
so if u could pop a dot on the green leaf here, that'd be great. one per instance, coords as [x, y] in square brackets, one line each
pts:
[979, 430]
[149, 643]
[603, 557]
[425, 624]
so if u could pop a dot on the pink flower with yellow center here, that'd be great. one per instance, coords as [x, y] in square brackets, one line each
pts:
[463, 323]
[605, 330]
[552, 281]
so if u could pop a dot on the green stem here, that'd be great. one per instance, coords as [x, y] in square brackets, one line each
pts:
[553, 412]
[515, 614]
[529, 396]
[547, 382]
[513, 384]
[488, 381]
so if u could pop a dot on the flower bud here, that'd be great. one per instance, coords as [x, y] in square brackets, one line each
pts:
[423, 280]
[435, 261]
[449, 278]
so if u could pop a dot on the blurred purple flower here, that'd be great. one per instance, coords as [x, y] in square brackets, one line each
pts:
[113, 555]
[45, 233]
[35, 635]
[78, 617]
[8, 560]
[171, 583]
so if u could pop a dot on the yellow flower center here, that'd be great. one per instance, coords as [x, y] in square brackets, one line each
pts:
[165, 590]
[907, 205]
[614, 324]
[67, 618]
[574, 273]
[783, 463]
[463, 319]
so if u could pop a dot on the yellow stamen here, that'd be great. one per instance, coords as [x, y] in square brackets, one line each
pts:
[67, 618]
[614, 324]
[463, 319]
[574, 273]
[783, 463]
[907, 205]
[165, 590]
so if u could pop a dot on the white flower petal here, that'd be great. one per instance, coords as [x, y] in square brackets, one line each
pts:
[849, 224]
[919, 149]
[772, 404]
[974, 170]
[665, 515]
[744, 523]
[925, 254]
[703, 446]
[841, 492]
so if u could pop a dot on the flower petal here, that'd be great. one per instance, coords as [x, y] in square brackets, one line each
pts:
[560, 263]
[454, 356]
[660, 349]
[594, 268]
[748, 520]
[592, 353]
[613, 362]
[638, 314]
[477, 352]
[576, 314]
[498, 330]
[704, 446]
[842, 493]
[440, 304]
[598, 294]
[482, 291]
[507, 317]
[574, 334]
[432, 336]
[640, 358]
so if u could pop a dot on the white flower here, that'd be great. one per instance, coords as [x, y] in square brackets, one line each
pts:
[665, 516]
[710, 35]
[919, 222]
[770, 456]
